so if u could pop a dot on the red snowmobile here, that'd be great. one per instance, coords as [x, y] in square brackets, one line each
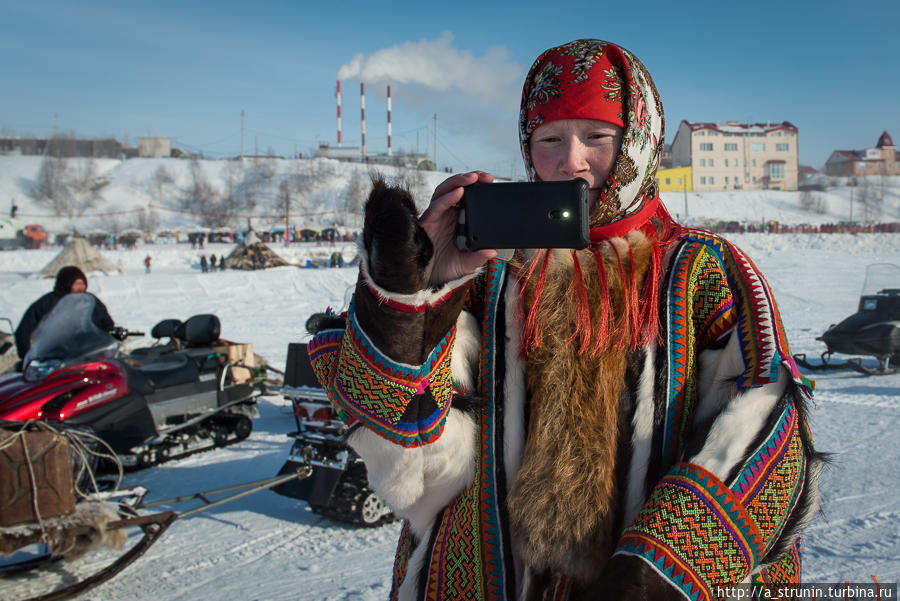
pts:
[150, 406]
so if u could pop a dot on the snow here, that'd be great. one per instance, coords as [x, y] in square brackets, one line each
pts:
[269, 547]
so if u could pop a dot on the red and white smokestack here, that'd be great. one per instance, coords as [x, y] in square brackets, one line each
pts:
[389, 119]
[362, 106]
[339, 112]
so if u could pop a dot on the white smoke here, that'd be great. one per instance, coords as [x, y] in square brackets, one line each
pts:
[438, 65]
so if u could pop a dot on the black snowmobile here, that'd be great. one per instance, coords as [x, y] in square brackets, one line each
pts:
[874, 330]
[338, 487]
[159, 403]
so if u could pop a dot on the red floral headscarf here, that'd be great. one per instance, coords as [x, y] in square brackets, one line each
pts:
[593, 79]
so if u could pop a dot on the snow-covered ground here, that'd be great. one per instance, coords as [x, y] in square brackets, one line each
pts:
[268, 547]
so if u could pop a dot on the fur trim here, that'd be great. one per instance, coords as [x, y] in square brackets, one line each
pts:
[428, 297]
[641, 439]
[513, 385]
[572, 438]
[466, 352]
[738, 425]
[718, 372]
[418, 482]
[72, 535]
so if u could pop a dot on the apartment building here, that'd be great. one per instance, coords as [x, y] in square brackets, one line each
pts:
[881, 159]
[734, 156]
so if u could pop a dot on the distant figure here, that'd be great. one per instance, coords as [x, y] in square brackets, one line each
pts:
[222, 264]
[147, 261]
[203, 264]
[13, 210]
[120, 266]
[69, 279]
[212, 262]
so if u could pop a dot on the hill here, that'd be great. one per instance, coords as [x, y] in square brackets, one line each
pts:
[112, 196]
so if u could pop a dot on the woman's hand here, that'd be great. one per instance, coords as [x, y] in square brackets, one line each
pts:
[439, 222]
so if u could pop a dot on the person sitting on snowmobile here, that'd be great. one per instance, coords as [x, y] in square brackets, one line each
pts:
[636, 427]
[69, 279]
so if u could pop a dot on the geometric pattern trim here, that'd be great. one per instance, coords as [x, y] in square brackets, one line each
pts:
[377, 391]
[785, 571]
[466, 560]
[695, 532]
[405, 546]
[713, 289]
[773, 477]
[763, 342]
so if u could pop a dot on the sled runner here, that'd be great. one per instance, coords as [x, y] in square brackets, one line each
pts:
[57, 541]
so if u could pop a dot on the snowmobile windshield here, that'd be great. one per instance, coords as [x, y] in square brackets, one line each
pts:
[882, 278]
[68, 335]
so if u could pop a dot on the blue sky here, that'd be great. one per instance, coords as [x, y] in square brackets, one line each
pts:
[187, 69]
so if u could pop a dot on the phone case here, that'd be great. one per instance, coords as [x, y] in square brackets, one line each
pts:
[524, 215]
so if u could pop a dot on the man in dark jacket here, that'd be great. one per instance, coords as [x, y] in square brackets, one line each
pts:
[68, 279]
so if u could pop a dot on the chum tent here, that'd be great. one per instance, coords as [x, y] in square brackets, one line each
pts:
[81, 254]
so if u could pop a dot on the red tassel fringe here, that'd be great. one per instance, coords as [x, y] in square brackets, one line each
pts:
[641, 307]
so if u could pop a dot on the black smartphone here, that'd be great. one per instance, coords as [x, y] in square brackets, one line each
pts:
[524, 215]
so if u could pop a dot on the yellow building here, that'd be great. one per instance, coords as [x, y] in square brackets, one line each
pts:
[675, 179]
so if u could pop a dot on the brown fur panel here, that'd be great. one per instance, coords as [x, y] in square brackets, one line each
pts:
[562, 503]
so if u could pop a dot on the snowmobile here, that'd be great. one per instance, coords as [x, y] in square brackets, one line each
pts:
[338, 487]
[50, 522]
[874, 330]
[156, 404]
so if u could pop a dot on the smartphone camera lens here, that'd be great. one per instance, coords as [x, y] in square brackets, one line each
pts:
[560, 214]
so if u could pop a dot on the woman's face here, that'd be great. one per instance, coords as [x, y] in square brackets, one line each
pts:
[78, 286]
[569, 148]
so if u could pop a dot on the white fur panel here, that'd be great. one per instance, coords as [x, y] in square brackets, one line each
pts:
[409, 586]
[466, 352]
[513, 385]
[429, 296]
[641, 438]
[716, 382]
[738, 425]
[418, 483]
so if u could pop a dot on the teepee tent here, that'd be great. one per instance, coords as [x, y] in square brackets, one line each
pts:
[253, 254]
[81, 254]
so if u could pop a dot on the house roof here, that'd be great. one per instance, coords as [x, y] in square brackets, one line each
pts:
[884, 140]
[733, 127]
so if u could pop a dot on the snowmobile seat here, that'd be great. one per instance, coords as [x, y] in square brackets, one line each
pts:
[200, 330]
[167, 328]
[299, 371]
[169, 370]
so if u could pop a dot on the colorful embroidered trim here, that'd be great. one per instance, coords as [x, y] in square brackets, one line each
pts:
[783, 572]
[763, 342]
[773, 478]
[694, 532]
[377, 391]
[700, 311]
[467, 559]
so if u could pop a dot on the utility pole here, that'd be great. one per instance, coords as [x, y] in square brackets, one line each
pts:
[242, 134]
[435, 142]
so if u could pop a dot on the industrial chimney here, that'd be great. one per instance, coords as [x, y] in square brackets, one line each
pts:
[339, 112]
[389, 119]
[362, 106]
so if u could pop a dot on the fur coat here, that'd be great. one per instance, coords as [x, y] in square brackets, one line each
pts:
[659, 472]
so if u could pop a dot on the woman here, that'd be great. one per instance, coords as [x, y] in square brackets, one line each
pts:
[620, 422]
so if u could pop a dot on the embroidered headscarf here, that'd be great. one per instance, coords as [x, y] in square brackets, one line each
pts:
[593, 79]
